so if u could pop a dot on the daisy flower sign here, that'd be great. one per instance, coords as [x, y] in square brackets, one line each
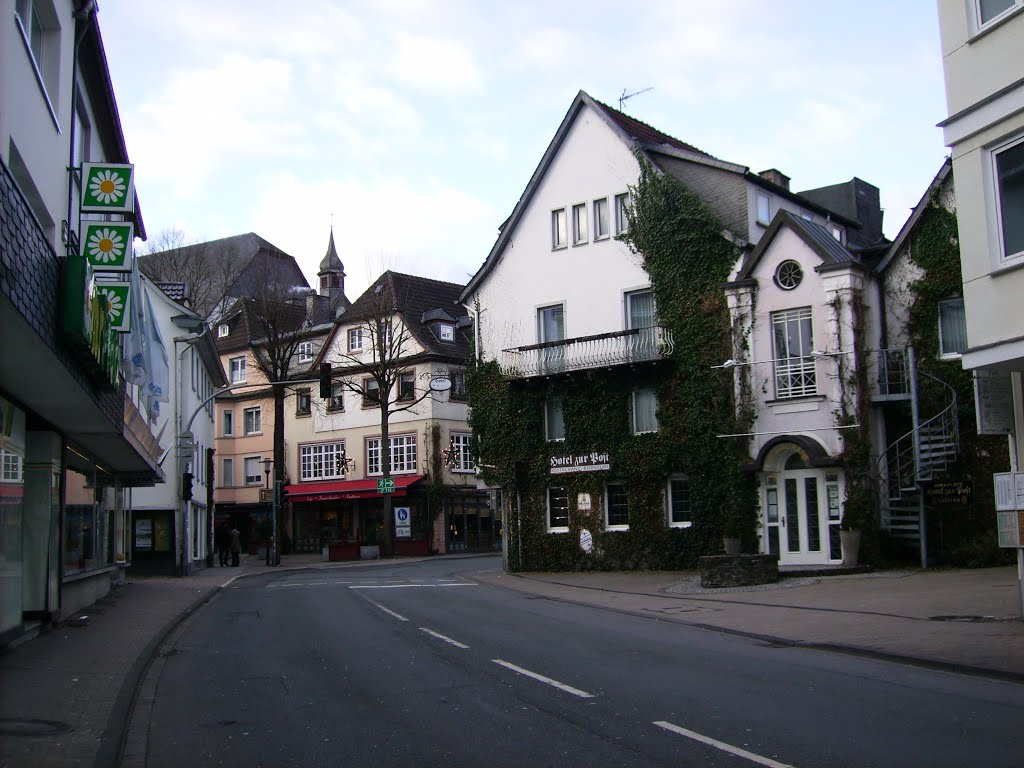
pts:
[107, 245]
[115, 298]
[108, 188]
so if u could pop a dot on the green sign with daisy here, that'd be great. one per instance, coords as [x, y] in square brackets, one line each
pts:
[115, 299]
[108, 245]
[108, 188]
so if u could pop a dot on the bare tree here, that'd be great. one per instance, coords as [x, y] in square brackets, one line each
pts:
[208, 269]
[378, 378]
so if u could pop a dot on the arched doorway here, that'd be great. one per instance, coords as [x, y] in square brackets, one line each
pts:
[801, 507]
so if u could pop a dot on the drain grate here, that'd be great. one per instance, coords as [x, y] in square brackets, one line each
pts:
[18, 727]
[973, 619]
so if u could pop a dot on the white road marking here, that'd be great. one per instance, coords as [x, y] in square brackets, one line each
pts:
[406, 586]
[398, 616]
[721, 745]
[439, 636]
[548, 680]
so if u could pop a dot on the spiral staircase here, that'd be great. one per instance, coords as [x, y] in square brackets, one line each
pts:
[916, 457]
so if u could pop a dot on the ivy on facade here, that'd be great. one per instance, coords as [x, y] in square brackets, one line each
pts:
[681, 246]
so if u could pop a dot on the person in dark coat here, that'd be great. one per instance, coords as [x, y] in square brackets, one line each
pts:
[222, 538]
[236, 547]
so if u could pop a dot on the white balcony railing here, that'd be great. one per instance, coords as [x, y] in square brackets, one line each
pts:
[585, 352]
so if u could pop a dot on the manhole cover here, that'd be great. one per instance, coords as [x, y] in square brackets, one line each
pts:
[16, 727]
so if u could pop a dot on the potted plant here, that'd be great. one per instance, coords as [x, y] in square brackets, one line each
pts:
[732, 533]
[857, 512]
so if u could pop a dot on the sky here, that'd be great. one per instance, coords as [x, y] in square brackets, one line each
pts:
[413, 126]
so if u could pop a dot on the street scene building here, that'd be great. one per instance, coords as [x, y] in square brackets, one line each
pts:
[413, 334]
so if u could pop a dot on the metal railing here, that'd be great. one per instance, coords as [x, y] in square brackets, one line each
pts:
[606, 349]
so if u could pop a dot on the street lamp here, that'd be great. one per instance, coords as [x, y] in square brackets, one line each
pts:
[273, 514]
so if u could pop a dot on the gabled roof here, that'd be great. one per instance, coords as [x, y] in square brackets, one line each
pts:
[246, 328]
[419, 301]
[817, 238]
[908, 227]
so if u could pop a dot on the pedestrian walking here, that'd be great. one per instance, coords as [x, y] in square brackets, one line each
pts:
[222, 539]
[236, 547]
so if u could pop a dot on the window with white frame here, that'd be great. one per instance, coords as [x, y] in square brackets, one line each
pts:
[371, 392]
[406, 385]
[223, 330]
[252, 420]
[554, 422]
[463, 442]
[621, 213]
[227, 473]
[403, 454]
[458, 390]
[602, 226]
[253, 470]
[10, 467]
[579, 224]
[40, 32]
[679, 514]
[337, 400]
[837, 232]
[237, 365]
[558, 509]
[616, 507]
[952, 328]
[446, 332]
[792, 344]
[384, 336]
[305, 351]
[764, 209]
[1008, 162]
[558, 237]
[355, 339]
[551, 323]
[644, 407]
[303, 403]
[321, 461]
[989, 11]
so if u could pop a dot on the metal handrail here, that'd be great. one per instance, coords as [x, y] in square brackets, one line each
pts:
[581, 353]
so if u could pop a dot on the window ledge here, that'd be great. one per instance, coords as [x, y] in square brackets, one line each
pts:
[800, 399]
[558, 530]
[684, 524]
[995, 24]
[616, 528]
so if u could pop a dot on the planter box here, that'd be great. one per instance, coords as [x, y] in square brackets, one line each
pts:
[369, 553]
[336, 552]
[718, 571]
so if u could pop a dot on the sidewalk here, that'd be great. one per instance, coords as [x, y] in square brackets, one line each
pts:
[66, 696]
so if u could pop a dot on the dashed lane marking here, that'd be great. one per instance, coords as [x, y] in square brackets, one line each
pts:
[543, 679]
[448, 640]
[754, 758]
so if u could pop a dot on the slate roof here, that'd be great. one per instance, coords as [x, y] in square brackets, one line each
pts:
[331, 262]
[247, 328]
[644, 133]
[174, 291]
[416, 300]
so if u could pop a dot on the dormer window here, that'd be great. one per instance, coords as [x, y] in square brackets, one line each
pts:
[223, 330]
[446, 332]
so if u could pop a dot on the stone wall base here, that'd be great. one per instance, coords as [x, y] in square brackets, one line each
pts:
[738, 570]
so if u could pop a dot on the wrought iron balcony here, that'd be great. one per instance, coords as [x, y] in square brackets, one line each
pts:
[585, 352]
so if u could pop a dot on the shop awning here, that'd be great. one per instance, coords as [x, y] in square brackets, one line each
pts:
[347, 489]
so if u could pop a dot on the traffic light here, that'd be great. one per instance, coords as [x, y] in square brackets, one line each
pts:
[186, 485]
[325, 381]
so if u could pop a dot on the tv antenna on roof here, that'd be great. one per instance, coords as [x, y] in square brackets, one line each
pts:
[626, 96]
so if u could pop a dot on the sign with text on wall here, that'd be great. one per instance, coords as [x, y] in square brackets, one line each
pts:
[403, 523]
[993, 402]
[568, 463]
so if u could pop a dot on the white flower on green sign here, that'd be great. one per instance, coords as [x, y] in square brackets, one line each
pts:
[106, 246]
[114, 298]
[108, 186]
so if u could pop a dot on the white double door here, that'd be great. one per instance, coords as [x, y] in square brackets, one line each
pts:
[801, 516]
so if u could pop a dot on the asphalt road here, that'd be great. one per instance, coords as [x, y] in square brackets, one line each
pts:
[416, 664]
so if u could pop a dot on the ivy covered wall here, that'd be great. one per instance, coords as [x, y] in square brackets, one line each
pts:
[964, 537]
[682, 248]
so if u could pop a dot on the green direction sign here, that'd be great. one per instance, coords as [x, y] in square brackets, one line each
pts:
[108, 245]
[116, 297]
[386, 485]
[108, 188]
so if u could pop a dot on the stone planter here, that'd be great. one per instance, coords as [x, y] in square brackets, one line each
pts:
[851, 546]
[717, 571]
[732, 545]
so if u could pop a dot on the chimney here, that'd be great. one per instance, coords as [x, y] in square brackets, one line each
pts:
[776, 177]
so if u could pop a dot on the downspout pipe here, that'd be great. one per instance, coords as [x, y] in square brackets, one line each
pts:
[83, 18]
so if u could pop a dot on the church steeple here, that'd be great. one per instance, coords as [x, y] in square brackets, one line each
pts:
[332, 271]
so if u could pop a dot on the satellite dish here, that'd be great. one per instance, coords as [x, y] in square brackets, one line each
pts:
[440, 384]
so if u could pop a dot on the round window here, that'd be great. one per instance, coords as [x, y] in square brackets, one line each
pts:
[788, 275]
